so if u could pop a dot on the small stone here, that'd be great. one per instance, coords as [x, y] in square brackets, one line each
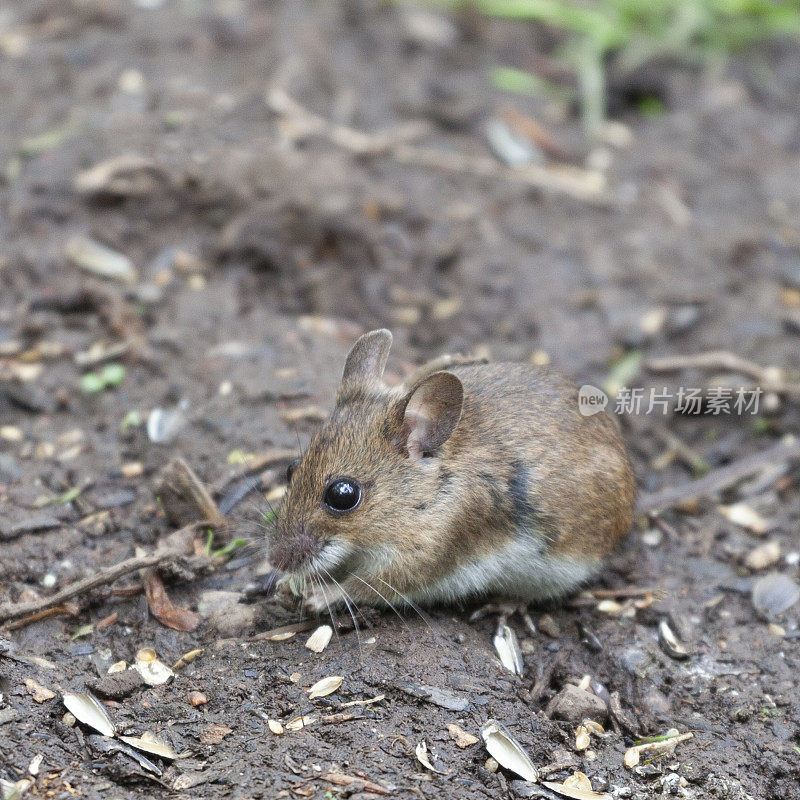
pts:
[233, 620]
[460, 736]
[214, 733]
[40, 693]
[549, 626]
[197, 699]
[575, 705]
[10, 471]
[773, 594]
[214, 601]
[763, 556]
[635, 662]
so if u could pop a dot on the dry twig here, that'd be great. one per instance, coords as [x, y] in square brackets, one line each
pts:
[720, 478]
[770, 379]
[297, 122]
[173, 547]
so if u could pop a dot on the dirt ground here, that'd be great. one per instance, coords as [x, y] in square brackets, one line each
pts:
[262, 246]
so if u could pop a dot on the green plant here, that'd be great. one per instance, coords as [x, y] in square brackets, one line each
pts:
[110, 375]
[638, 31]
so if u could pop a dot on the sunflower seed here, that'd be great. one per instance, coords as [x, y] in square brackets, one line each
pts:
[88, 710]
[505, 749]
[669, 643]
[150, 743]
[320, 639]
[507, 647]
[325, 687]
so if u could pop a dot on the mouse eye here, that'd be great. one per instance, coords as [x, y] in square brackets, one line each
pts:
[342, 494]
[290, 470]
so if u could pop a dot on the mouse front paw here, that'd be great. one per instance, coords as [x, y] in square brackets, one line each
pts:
[321, 598]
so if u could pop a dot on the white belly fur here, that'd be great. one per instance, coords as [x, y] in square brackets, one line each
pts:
[520, 571]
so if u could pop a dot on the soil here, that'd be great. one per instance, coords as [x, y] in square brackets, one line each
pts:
[260, 257]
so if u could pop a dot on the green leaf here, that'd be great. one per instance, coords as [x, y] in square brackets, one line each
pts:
[133, 419]
[229, 548]
[83, 630]
[238, 457]
[113, 374]
[518, 81]
[651, 107]
[623, 372]
[69, 495]
[92, 383]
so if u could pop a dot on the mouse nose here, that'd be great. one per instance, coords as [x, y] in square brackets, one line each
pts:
[291, 549]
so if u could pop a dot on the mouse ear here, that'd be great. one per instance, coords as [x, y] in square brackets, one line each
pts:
[430, 413]
[367, 357]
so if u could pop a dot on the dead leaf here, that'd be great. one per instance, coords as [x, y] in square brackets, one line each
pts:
[214, 733]
[163, 609]
[339, 779]
[39, 693]
[460, 736]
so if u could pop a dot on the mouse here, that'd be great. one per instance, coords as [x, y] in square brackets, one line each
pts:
[467, 481]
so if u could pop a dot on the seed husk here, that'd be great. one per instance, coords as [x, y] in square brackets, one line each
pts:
[575, 792]
[298, 723]
[150, 743]
[421, 752]
[763, 556]
[282, 637]
[507, 647]
[505, 749]
[326, 686]
[153, 671]
[669, 642]
[582, 738]
[89, 711]
[94, 257]
[320, 639]
[746, 517]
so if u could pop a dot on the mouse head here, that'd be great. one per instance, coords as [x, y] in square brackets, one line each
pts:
[369, 471]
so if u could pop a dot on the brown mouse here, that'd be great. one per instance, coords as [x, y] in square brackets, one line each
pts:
[472, 481]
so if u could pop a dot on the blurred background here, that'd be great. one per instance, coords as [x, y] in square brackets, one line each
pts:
[204, 202]
[228, 191]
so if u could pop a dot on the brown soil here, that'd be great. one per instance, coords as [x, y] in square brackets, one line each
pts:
[259, 260]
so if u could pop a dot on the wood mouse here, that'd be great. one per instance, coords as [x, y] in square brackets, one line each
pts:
[474, 481]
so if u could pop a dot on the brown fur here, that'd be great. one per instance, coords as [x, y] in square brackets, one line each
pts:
[520, 454]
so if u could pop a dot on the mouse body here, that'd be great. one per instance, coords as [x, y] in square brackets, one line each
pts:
[475, 481]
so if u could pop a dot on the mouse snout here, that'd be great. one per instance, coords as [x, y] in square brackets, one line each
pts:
[292, 549]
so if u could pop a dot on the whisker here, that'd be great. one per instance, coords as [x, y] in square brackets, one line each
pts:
[347, 600]
[334, 620]
[385, 600]
[413, 605]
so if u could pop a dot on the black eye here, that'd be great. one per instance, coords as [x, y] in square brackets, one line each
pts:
[343, 494]
[290, 470]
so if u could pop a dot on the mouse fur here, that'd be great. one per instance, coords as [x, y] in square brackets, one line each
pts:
[477, 480]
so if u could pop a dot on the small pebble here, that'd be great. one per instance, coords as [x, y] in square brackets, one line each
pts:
[197, 699]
